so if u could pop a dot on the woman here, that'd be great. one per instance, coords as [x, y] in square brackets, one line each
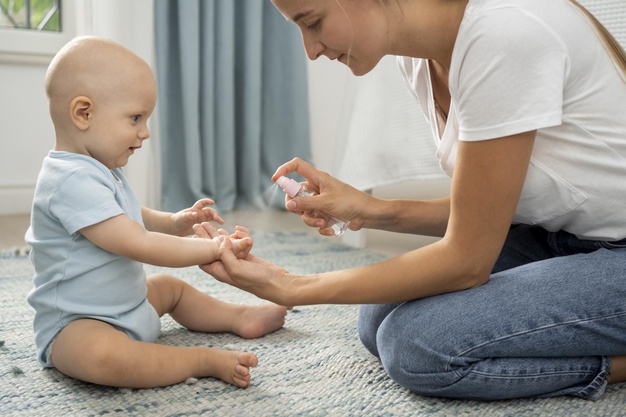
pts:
[525, 293]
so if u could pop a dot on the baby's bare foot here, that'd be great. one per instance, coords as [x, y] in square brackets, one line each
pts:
[232, 366]
[257, 321]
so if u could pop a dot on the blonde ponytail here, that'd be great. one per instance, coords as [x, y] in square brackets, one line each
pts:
[615, 49]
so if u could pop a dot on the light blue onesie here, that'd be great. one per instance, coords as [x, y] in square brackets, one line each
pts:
[73, 277]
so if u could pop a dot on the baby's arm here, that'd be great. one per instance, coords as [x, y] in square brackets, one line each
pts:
[125, 237]
[180, 223]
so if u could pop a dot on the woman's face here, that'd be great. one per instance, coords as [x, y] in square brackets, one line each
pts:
[353, 32]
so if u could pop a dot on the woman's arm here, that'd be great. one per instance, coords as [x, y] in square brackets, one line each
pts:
[420, 217]
[361, 209]
[488, 179]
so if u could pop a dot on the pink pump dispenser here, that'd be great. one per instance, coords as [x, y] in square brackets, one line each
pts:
[290, 186]
[294, 189]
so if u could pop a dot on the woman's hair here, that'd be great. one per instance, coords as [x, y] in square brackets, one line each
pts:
[614, 48]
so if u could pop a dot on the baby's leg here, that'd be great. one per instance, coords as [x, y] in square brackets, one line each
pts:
[201, 312]
[94, 351]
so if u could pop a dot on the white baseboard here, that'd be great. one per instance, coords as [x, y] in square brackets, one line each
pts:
[16, 200]
[355, 239]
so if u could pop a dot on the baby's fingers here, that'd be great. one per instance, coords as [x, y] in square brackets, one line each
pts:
[241, 247]
[210, 213]
[241, 232]
[203, 202]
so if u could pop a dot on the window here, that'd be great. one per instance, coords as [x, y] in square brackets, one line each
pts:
[34, 30]
[31, 14]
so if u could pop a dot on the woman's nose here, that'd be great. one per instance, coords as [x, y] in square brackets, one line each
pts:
[313, 47]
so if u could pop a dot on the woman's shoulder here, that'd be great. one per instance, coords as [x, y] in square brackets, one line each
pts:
[479, 7]
[498, 31]
[504, 17]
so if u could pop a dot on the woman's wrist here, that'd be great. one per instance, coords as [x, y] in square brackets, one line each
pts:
[424, 217]
[377, 213]
[303, 290]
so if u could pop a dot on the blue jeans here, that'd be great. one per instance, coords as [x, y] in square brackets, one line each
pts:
[545, 324]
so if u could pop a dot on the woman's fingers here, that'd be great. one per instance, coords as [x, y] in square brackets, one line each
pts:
[206, 230]
[296, 165]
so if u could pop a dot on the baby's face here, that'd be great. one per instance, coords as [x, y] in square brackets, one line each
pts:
[119, 123]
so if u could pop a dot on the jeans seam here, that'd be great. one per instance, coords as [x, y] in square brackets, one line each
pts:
[600, 385]
[613, 245]
[466, 352]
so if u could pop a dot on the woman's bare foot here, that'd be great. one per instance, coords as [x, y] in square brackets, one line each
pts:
[618, 369]
[231, 366]
[257, 321]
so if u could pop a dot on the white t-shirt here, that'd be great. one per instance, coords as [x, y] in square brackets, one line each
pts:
[521, 65]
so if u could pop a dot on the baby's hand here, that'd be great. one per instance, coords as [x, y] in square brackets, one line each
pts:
[241, 238]
[242, 242]
[183, 221]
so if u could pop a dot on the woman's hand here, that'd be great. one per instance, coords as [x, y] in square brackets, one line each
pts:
[334, 197]
[183, 221]
[249, 273]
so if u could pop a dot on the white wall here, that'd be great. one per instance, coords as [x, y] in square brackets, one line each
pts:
[25, 134]
[329, 85]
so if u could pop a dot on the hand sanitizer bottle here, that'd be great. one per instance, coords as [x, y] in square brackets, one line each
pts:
[294, 189]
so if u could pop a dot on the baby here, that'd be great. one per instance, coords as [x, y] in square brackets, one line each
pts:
[97, 314]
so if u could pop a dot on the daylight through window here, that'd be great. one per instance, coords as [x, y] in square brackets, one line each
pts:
[38, 15]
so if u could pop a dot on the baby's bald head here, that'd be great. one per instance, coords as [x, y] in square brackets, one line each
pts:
[92, 67]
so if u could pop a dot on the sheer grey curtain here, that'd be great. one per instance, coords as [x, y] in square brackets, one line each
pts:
[232, 100]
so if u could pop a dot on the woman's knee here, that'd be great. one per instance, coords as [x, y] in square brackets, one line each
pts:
[370, 318]
[418, 357]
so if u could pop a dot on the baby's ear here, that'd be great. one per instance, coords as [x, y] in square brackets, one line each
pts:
[81, 112]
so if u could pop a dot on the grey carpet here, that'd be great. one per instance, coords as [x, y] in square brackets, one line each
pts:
[314, 366]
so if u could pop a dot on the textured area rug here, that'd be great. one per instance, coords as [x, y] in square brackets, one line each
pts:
[314, 366]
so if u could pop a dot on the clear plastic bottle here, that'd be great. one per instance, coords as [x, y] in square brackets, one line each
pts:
[294, 189]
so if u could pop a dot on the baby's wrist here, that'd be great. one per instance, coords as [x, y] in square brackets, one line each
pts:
[215, 247]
